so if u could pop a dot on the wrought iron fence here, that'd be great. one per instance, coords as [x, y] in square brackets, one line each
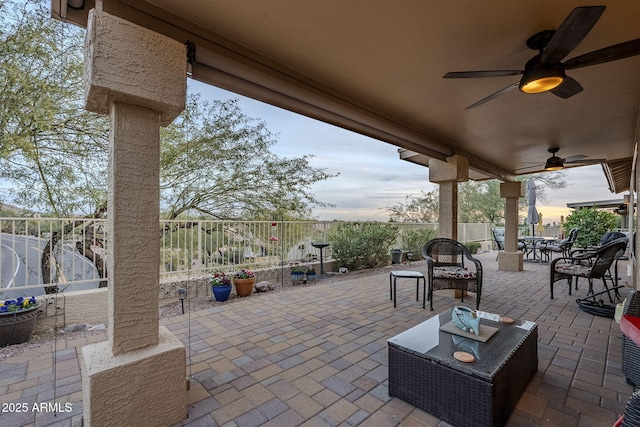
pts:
[189, 246]
[42, 255]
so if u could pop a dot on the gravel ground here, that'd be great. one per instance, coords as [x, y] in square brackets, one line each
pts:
[41, 338]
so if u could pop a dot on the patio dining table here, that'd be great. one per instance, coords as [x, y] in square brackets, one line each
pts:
[534, 246]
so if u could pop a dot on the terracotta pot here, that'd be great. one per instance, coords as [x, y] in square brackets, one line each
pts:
[244, 287]
[16, 327]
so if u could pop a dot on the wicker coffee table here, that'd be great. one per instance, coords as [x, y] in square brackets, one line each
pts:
[423, 371]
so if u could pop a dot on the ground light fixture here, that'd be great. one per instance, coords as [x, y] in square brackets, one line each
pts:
[182, 293]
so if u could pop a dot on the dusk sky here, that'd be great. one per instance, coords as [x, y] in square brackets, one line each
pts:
[371, 174]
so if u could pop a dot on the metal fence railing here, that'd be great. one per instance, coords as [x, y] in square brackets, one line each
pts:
[41, 255]
[189, 246]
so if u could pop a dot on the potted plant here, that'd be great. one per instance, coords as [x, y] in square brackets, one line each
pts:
[297, 273]
[243, 280]
[310, 271]
[396, 256]
[17, 320]
[473, 247]
[220, 286]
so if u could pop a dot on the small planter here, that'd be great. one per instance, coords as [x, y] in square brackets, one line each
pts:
[396, 256]
[16, 327]
[297, 276]
[244, 287]
[311, 276]
[221, 293]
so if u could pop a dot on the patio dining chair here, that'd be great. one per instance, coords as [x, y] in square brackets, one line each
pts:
[607, 237]
[591, 265]
[562, 246]
[498, 238]
[446, 268]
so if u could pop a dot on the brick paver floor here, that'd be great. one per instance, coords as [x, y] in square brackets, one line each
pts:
[317, 356]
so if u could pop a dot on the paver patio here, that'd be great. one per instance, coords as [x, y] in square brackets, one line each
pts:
[317, 356]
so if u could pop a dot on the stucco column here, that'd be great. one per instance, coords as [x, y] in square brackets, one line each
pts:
[511, 258]
[447, 175]
[138, 78]
[448, 210]
[132, 226]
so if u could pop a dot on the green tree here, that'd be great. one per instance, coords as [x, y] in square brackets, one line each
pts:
[478, 201]
[593, 223]
[423, 208]
[216, 161]
[51, 150]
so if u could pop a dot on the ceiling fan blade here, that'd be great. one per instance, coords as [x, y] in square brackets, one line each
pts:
[574, 158]
[585, 162]
[493, 95]
[534, 167]
[571, 32]
[567, 88]
[475, 74]
[606, 54]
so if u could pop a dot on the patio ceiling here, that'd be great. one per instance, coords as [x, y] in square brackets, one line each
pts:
[376, 67]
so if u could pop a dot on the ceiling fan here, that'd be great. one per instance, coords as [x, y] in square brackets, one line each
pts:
[544, 72]
[555, 163]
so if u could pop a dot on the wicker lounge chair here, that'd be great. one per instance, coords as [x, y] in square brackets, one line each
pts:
[446, 268]
[631, 359]
[591, 265]
[631, 417]
[630, 350]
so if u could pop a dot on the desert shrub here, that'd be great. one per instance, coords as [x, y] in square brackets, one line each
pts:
[473, 247]
[593, 223]
[414, 240]
[362, 244]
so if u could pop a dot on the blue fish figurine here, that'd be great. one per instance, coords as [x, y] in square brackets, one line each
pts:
[466, 319]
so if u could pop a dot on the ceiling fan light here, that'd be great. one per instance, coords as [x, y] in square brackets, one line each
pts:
[542, 79]
[554, 164]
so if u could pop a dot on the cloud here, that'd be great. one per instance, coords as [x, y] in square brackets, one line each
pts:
[585, 184]
[371, 174]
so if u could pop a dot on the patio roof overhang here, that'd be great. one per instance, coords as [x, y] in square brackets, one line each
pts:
[602, 204]
[377, 69]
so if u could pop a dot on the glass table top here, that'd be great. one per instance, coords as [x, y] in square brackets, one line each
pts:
[428, 341]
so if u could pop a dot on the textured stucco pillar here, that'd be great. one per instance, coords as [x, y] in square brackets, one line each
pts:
[132, 223]
[447, 175]
[138, 78]
[511, 258]
[448, 210]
